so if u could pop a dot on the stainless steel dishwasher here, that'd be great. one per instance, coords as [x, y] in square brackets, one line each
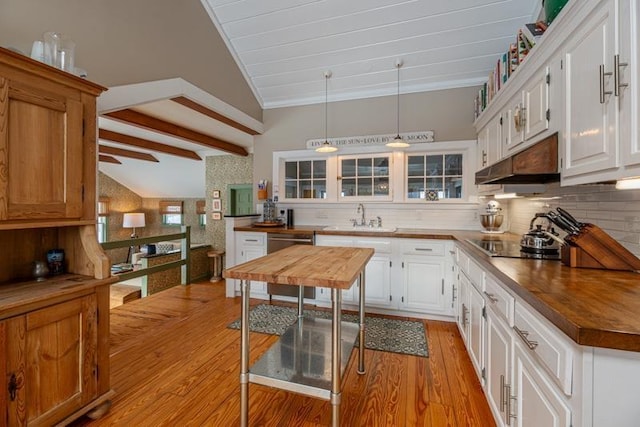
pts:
[277, 241]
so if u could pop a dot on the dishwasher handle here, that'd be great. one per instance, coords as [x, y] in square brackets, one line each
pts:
[289, 239]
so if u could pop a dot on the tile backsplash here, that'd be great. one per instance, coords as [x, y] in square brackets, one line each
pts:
[615, 211]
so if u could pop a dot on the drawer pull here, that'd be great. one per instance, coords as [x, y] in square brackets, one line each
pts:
[491, 297]
[250, 240]
[523, 335]
[424, 249]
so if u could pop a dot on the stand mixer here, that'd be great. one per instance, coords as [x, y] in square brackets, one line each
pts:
[492, 219]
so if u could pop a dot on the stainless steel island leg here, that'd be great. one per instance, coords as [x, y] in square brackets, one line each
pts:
[362, 327]
[336, 355]
[245, 286]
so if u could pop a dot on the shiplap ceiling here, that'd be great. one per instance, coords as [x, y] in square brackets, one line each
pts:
[284, 46]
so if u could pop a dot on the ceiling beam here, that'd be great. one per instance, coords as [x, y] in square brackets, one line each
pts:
[210, 113]
[109, 159]
[104, 149]
[121, 138]
[144, 121]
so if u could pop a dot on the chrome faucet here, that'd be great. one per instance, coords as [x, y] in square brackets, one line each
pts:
[361, 209]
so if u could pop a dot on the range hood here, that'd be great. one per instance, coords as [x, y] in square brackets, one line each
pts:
[535, 165]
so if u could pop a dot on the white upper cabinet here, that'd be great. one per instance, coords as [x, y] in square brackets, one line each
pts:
[489, 142]
[590, 104]
[536, 104]
[628, 81]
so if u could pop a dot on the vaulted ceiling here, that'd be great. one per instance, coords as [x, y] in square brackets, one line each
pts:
[283, 47]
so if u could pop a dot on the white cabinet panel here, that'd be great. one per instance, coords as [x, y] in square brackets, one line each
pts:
[475, 343]
[534, 401]
[591, 109]
[249, 246]
[498, 364]
[424, 284]
[536, 101]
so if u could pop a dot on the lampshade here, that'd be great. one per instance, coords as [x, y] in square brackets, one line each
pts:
[398, 142]
[326, 147]
[133, 220]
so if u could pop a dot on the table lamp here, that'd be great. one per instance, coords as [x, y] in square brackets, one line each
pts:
[132, 220]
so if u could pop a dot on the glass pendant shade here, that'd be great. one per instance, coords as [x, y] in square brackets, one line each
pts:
[326, 148]
[398, 142]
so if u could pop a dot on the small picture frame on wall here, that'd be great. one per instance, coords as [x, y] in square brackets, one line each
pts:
[216, 205]
[216, 215]
[215, 194]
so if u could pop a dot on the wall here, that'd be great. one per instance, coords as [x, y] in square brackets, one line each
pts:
[123, 42]
[616, 211]
[449, 113]
[222, 171]
[122, 200]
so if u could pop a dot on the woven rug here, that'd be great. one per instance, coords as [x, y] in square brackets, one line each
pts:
[396, 336]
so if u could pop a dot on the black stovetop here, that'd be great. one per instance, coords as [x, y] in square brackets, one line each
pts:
[496, 247]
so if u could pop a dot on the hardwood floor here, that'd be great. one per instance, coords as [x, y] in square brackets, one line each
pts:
[174, 362]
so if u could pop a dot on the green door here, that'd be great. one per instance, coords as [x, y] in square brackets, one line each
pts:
[241, 199]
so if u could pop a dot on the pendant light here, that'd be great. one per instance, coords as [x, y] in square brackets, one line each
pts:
[326, 147]
[398, 142]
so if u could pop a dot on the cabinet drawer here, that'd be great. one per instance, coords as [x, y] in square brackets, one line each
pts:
[253, 239]
[463, 261]
[380, 246]
[423, 248]
[476, 275]
[499, 299]
[546, 344]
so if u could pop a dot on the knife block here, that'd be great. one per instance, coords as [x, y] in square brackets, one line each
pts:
[593, 248]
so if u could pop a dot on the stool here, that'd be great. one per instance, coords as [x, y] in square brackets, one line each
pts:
[216, 264]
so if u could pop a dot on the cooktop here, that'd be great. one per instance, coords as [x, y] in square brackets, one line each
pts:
[511, 249]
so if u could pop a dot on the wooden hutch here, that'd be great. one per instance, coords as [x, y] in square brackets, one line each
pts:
[54, 334]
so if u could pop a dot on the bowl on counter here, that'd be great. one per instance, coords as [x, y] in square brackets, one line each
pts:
[491, 222]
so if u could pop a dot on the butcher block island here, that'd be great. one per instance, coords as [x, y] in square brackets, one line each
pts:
[287, 365]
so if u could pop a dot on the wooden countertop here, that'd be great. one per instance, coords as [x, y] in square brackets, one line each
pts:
[592, 307]
[327, 266]
[21, 297]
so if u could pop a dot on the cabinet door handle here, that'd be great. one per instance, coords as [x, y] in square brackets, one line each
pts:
[424, 249]
[508, 399]
[616, 75]
[502, 385]
[491, 297]
[602, 91]
[13, 387]
[523, 335]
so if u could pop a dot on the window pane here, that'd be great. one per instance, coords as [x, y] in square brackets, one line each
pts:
[306, 189]
[381, 186]
[415, 166]
[381, 166]
[434, 184]
[320, 169]
[305, 170]
[434, 165]
[364, 186]
[453, 188]
[349, 167]
[365, 167]
[453, 164]
[291, 189]
[415, 188]
[172, 219]
[320, 189]
[291, 170]
[348, 187]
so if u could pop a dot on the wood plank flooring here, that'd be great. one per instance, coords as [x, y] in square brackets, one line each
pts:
[174, 363]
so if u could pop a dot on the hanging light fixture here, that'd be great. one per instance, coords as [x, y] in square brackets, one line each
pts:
[326, 147]
[398, 142]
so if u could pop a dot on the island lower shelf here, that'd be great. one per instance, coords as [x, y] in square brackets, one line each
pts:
[300, 361]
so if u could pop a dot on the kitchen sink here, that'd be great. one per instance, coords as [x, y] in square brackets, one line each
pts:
[360, 228]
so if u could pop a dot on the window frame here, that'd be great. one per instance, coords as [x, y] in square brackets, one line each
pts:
[170, 209]
[443, 175]
[366, 198]
[397, 175]
[102, 223]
